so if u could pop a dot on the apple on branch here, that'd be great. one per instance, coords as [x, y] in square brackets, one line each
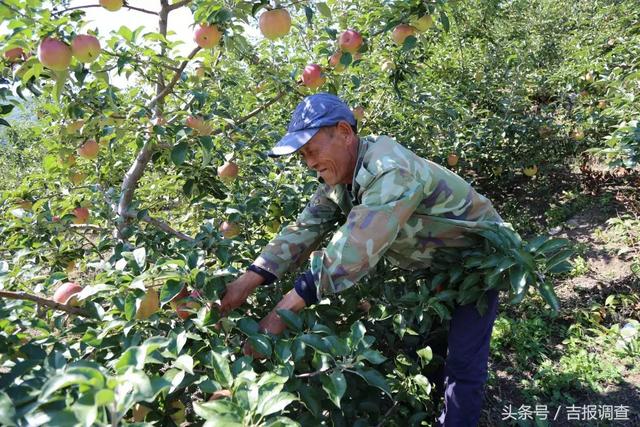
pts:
[401, 32]
[207, 36]
[312, 76]
[66, 294]
[89, 150]
[112, 5]
[229, 229]
[85, 48]
[274, 23]
[228, 171]
[81, 215]
[54, 54]
[350, 41]
[14, 55]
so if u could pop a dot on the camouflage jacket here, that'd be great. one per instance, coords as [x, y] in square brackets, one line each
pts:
[399, 205]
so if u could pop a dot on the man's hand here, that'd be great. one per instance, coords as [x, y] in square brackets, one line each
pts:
[272, 323]
[238, 291]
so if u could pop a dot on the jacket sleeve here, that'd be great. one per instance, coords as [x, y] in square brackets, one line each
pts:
[388, 200]
[292, 246]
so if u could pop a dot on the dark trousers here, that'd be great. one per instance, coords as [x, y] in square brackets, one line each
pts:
[466, 354]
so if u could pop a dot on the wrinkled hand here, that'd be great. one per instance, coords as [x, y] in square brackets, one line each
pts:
[272, 323]
[238, 291]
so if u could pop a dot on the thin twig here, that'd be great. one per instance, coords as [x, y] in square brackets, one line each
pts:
[45, 302]
[386, 415]
[14, 9]
[90, 242]
[60, 12]
[179, 5]
[174, 80]
[162, 226]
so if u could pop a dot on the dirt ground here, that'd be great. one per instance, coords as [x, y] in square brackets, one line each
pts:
[609, 262]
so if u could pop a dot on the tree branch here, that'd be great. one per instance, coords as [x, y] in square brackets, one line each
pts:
[11, 8]
[59, 12]
[162, 226]
[160, 96]
[179, 5]
[45, 302]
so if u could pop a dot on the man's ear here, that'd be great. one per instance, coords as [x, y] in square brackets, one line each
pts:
[344, 130]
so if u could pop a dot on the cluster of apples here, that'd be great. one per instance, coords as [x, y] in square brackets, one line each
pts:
[56, 54]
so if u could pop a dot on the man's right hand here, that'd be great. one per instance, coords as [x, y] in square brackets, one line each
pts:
[238, 291]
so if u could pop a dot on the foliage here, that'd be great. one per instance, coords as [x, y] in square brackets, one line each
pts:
[495, 82]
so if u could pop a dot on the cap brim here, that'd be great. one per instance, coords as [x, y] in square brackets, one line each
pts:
[292, 142]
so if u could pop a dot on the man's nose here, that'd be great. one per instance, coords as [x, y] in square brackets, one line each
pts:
[311, 163]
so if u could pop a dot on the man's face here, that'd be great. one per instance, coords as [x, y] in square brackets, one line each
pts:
[332, 153]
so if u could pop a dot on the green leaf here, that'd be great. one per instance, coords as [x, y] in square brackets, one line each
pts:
[559, 258]
[518, 279]
[372, 356]
[7, 410]
[311, 398]
[549, 295]
[409, 43]
[221, 370]
[59, 382]
[261, 344]
[222, 413]
[534, 244]
[308, 12]
[248, 326]
[316, 342]
[185, 362]
[275, 403]
[374, 379]
[292, 320]
[104, 397]
[334, 385]
[179, 153]
[170, 289]
[553, 245]
[426, 354]
[357, 333]
[323, 9]
[140, 255]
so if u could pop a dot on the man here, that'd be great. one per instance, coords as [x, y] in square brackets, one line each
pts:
[397, 205]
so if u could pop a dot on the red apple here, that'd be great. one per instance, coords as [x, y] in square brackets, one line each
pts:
[207, 36]
[185, 303]
[334, 61]
[350, 41]
[81, 215]
[86, 48]
[312, 76]
[77, 178]
[54, 54]
[358, 113]
[274, 23]
[228, 171]
[229, 229]
[14, 55]
[199, 125]
[401, 32]
[89, 150]
[452, 159]
[111, 5]
[66, 293]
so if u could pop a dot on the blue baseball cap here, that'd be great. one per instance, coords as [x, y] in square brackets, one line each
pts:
[311, 114]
